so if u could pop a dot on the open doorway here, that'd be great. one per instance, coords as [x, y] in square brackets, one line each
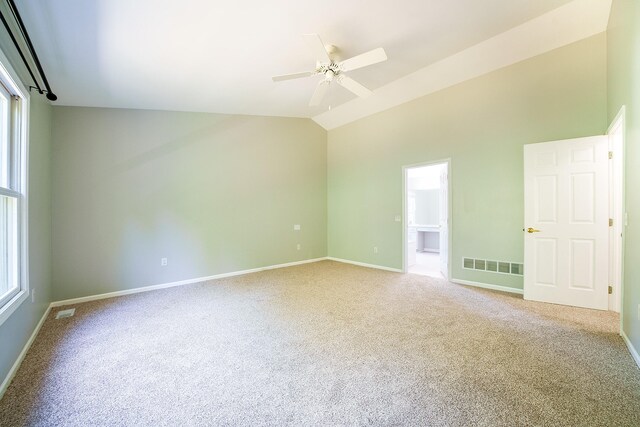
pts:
[426, 239]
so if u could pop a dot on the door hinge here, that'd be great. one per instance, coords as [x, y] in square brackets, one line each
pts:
[610, 289]
[610, 222]
[611, 154]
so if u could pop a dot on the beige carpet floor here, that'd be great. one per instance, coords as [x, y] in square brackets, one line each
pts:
[326, 344]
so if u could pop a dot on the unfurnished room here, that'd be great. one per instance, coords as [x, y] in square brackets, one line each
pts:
[266, 213]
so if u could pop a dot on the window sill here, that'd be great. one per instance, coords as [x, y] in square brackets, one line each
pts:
[11, 306]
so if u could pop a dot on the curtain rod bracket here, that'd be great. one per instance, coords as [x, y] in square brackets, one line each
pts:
[23, 31]
[50, 95]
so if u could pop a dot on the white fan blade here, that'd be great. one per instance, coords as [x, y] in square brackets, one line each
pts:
[353, 86]
[292, 76]
[319, 93]
[317, 47]
[368, 58]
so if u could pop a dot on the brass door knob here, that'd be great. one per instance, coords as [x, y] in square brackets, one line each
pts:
[532, 230]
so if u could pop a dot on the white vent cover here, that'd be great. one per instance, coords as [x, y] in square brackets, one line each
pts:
[504, 267]
[65, 313]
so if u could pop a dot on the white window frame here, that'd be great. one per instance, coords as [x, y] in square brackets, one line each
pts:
[20, 136]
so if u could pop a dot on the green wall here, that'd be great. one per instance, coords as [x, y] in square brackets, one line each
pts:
[16, 330]
[211, 193]
[623, 50]
[481, 125]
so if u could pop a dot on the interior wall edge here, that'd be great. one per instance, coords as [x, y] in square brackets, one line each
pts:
[488, 286]
[364, 264]
[632, 349]
[16, 365]
[148, 288]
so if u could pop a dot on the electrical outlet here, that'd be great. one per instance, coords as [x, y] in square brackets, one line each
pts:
[298, 246]
[398, 218]
[375, 249]
[163, 262]
[296, 227]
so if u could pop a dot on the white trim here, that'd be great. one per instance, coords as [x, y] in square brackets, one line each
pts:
[364, 264]
[10, 306]
[632, 349]
[621, 115]
[10, 193]
[148, 288]
[488, 286]
[23, 353]
[617, 207]
[15, 85]
[574, 21]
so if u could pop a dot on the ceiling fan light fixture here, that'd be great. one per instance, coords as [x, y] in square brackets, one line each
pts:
[329, 75]
[328, 65]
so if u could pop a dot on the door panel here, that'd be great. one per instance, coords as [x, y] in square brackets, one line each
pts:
[582, 254]
[566, 208]
[546, 202]
[546, 262]
[582, 200]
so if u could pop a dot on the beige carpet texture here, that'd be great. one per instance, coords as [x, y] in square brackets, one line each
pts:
[325, 344]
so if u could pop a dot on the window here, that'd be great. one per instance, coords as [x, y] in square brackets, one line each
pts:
[14, 288]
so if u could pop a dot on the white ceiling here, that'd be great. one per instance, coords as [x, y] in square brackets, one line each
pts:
[210, 56]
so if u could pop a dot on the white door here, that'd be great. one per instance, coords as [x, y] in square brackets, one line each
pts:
[444, 222]
[566, 203]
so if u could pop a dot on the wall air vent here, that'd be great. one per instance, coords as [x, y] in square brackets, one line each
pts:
[504, 267]
[516, 269]
[65, 313]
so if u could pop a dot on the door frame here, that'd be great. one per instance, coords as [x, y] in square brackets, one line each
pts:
[405, 225]
[617, 211]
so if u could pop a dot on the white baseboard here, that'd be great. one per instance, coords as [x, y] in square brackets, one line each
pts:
[23, 353]
[632, 349]
[363, 264]
[488, 286]
[178, 283]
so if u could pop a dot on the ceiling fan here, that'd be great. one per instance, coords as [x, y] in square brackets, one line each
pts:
[333, 70]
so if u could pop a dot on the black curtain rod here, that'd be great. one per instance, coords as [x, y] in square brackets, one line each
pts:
[25, 35]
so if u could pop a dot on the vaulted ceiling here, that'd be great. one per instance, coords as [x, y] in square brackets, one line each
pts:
[208, 56]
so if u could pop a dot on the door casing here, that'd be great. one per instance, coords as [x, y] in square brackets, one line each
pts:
[617, 210]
